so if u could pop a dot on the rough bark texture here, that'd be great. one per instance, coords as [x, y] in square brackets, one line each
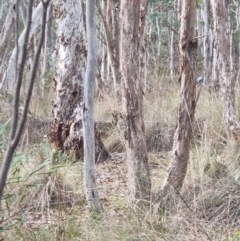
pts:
[224, 67]
[66, 133]
[187, 101]
[132, 56]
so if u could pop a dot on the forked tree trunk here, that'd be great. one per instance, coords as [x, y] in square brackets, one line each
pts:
[132, 56]
[66, 132]
[187, 101]
[227, 81]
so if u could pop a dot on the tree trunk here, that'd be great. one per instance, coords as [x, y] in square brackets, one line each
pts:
[224, 67]
[6, 32]
[66, 131]
[88, 109]
[47, 48]
[187, 101]
[238, 32]
[171, 44]
[7, 82]
[111, 28]
[132, 49]
[207, 43]
[215, 71]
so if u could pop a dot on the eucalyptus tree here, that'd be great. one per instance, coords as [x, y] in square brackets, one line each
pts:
[132, 64]
[71, 52]
[227, 80]
[187, 101]
[110, 21]
[8, 78]
[88, 108]
[207, 44]
[6, 33]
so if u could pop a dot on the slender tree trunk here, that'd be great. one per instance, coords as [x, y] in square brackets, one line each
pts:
[47, 47]
[23, 12]
[215, 71]
[7, 82]
[187, 101]
[159, 37]
[207, 43]
[88, 109]
[132, 48]
[171, 44]
[230, 33]
[6, 33]
[224, 67]
[111, 28]
[238, 32]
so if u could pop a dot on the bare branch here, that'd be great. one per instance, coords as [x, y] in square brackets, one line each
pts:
[20, 73]
[16, 135]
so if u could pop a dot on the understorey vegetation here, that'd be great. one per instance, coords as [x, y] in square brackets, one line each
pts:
[119, 120]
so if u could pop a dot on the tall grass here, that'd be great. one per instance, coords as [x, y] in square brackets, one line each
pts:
[44, 197]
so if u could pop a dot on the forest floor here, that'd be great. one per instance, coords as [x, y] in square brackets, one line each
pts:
[45, 201]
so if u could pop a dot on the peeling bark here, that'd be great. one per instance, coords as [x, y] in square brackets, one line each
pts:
[66, 131]
[187, 101]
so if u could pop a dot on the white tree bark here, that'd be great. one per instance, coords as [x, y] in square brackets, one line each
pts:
[67, 130]
[227, 80]
[159, 37]
[47, 45]
[207, 43]
[6, 33]
[88, 109]
[23, 12]
[7, 82]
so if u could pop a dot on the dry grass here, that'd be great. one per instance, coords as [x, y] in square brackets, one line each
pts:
[44, 201]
